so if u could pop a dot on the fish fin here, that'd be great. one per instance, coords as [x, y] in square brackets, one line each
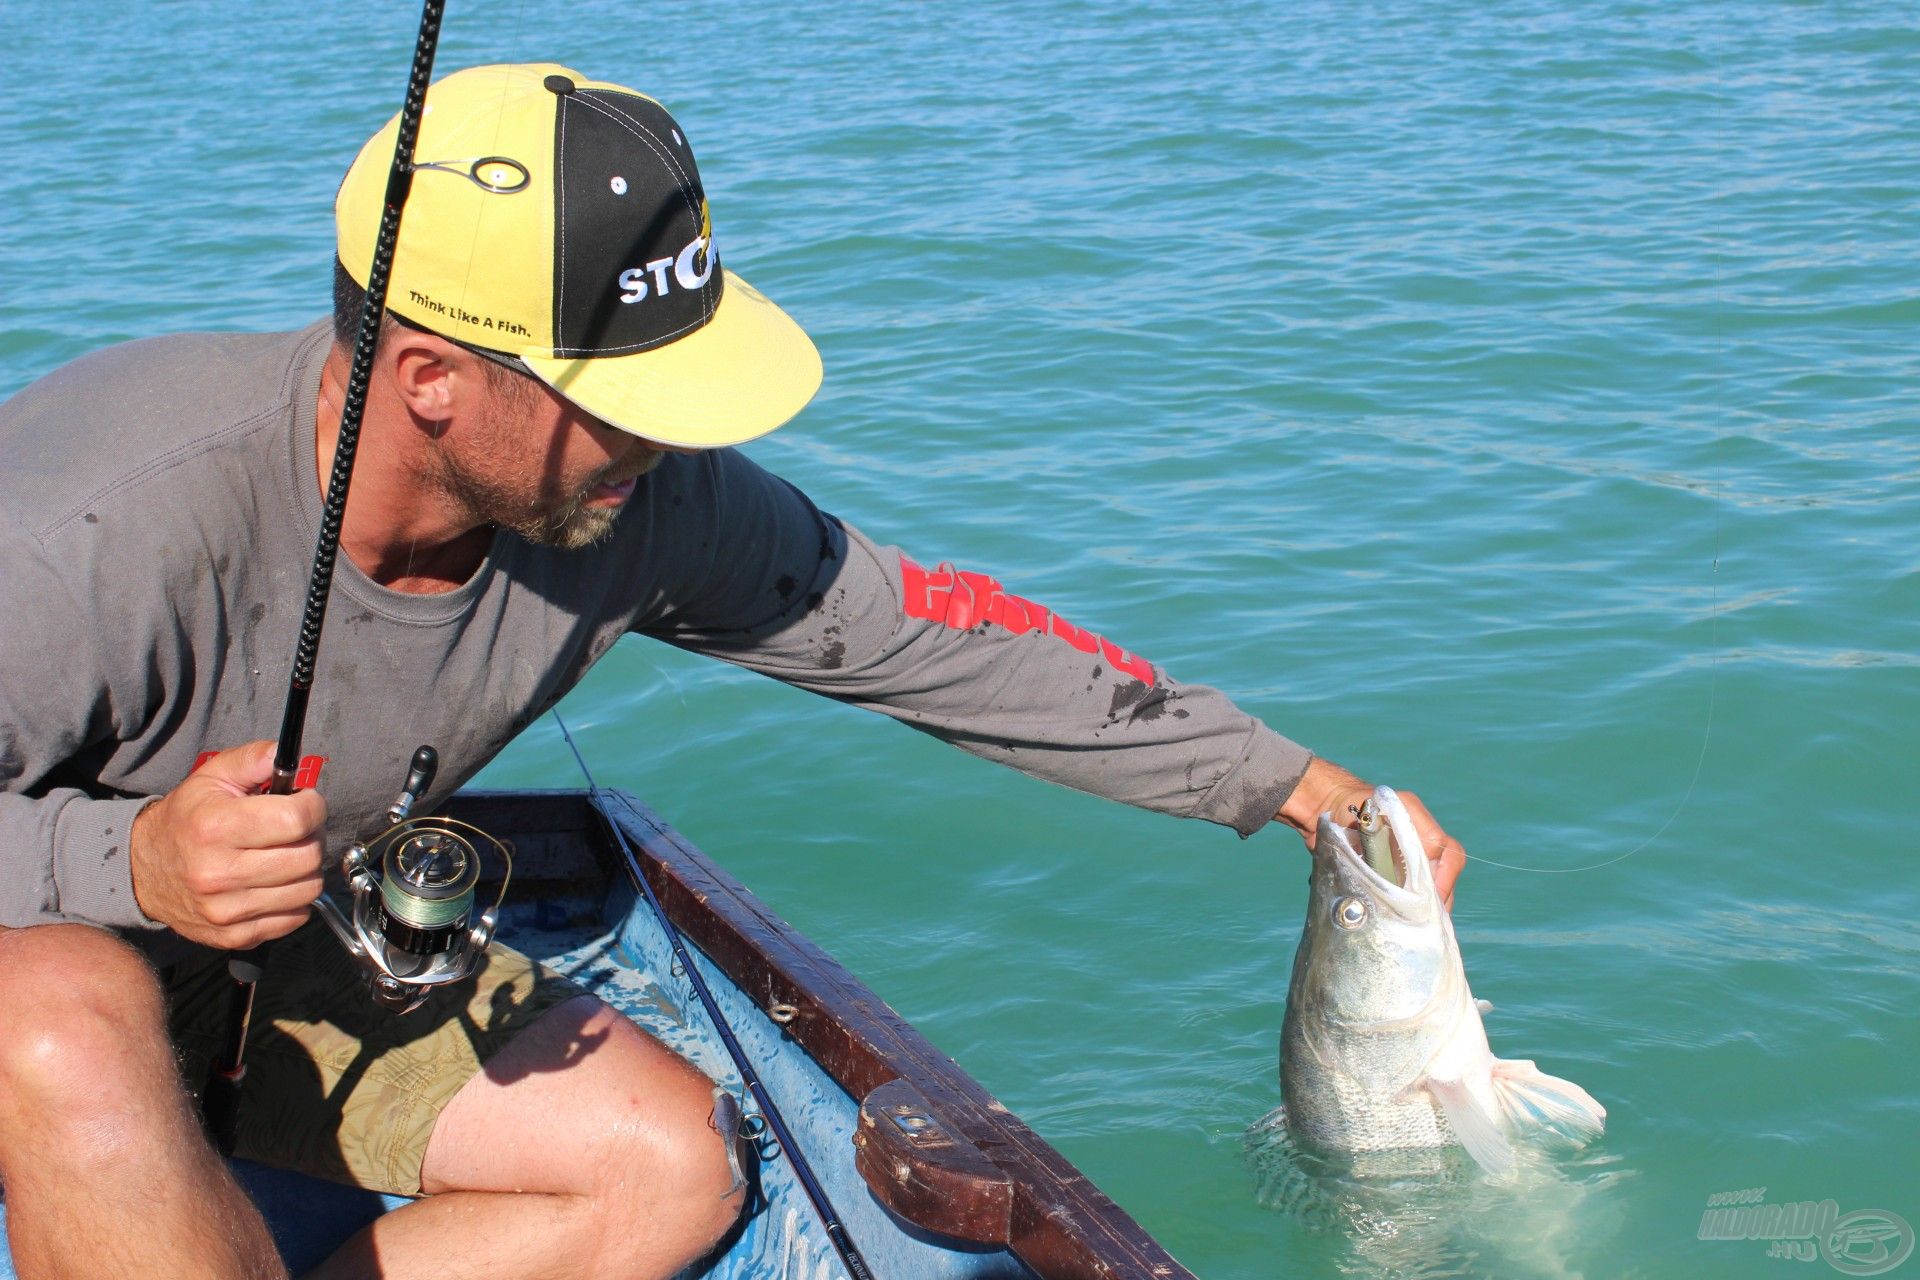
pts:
[1533, 1099]
[1477, 1131]
[1484, 1006]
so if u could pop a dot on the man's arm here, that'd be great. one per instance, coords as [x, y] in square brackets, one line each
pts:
[63, 853]
[764, 579]
[210, 859]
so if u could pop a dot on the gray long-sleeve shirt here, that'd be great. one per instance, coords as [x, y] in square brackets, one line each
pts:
[158, 511]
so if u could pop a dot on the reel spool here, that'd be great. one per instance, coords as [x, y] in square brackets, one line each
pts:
[412, 926]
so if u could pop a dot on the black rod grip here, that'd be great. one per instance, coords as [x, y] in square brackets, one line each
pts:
[220, 1095]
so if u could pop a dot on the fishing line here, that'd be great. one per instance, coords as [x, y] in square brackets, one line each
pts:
[1706, 734]
[822, 1205]
[1713, 664]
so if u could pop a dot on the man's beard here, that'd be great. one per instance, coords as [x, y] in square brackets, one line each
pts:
[568, 524]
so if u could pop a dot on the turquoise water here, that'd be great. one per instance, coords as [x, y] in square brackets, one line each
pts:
[1514, 402]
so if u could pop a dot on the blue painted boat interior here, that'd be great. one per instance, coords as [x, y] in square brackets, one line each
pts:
[614, 947]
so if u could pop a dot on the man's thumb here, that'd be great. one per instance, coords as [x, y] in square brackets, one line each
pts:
[247, 769]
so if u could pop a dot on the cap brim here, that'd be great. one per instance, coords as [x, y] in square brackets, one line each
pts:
[740, 375]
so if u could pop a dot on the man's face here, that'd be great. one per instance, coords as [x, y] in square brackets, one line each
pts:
[540, 466]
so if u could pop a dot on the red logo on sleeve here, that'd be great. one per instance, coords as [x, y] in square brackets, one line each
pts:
[961, 600]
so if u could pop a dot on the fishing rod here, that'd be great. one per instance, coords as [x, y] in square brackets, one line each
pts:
[822, 1205]
[221, 1097]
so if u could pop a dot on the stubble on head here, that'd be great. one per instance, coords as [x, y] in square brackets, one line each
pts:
[519, 499]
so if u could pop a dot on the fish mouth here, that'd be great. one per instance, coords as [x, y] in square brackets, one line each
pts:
[1410, 892]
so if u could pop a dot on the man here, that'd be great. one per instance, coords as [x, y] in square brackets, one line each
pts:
[544, 467]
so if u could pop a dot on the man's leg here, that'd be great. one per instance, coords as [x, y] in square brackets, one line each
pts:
[584, 1148]
[101, 1154]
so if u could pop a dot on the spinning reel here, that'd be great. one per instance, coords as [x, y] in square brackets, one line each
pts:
[413, 926]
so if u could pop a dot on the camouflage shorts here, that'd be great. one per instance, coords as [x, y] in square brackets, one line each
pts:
[336, 1086]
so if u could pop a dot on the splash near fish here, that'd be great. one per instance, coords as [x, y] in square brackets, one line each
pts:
[1383, 1048]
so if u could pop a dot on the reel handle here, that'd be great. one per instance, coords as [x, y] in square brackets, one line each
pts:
[426, 763]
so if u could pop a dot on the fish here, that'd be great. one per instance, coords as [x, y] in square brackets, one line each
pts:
[1383, 1048]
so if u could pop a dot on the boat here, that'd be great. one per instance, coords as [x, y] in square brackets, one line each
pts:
[932, 1177]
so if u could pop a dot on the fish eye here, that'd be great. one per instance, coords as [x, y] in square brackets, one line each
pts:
[1350, 913]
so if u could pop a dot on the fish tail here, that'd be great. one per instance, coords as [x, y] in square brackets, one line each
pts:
[1532, 1099]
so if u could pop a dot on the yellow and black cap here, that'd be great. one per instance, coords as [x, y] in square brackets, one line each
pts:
[561, 221]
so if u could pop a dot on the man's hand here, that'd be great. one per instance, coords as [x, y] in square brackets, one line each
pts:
[1327, 788]
[219, 863]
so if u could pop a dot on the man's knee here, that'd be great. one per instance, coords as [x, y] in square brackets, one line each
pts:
[84, 1012]
[704, 1163]
[586, 1103]
[687, 1154]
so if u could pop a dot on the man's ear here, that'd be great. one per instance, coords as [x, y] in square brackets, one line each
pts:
[432, 377]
